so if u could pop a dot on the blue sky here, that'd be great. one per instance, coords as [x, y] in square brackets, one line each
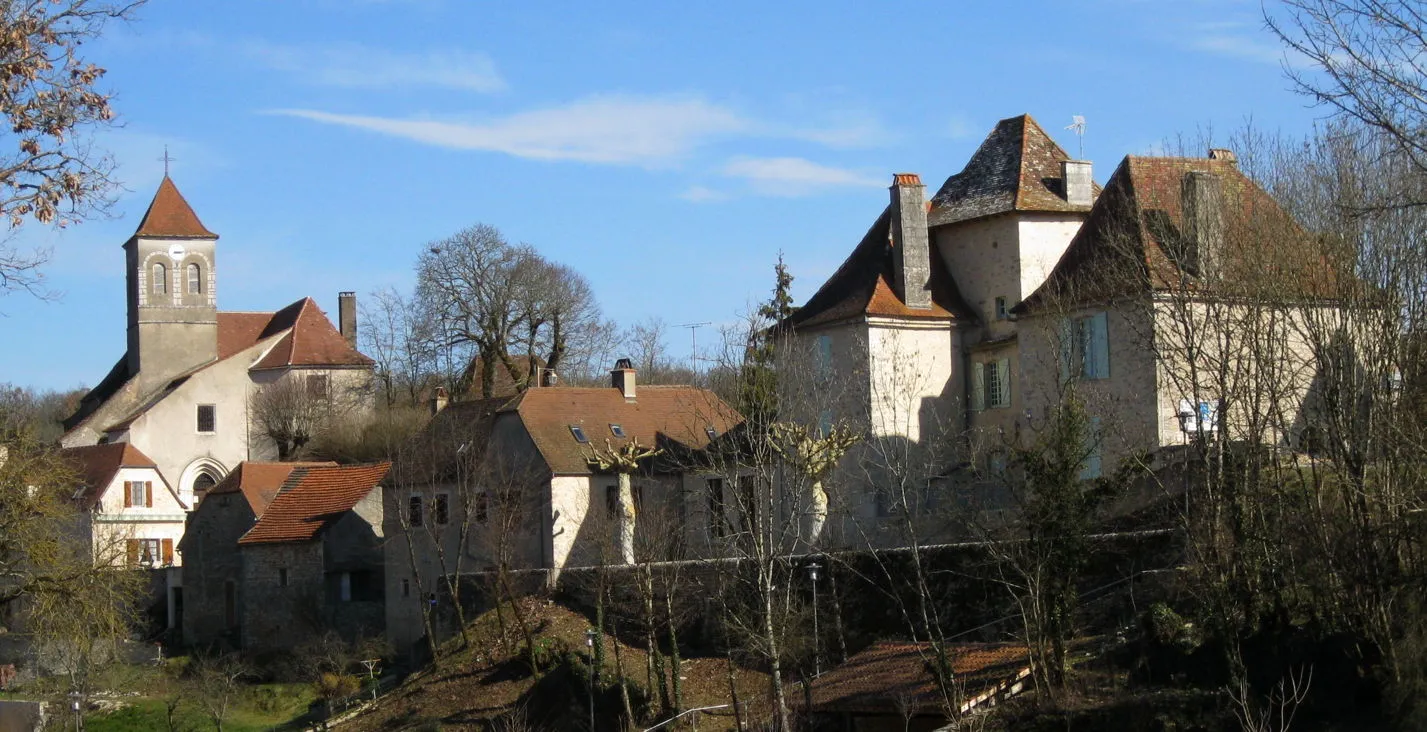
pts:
[668, 151]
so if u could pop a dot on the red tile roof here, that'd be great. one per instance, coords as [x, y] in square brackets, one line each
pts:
[170, 217]
[659, 415]
[501, 383]
[312, 499]
[863, 286]
[889, 675]
[1017, 168]
[259, 482]
[311, 340]
[1129, 242]
[98, 464]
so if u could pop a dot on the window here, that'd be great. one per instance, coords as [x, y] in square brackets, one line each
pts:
[711, 432]
[1090, 468]
[824, 362]
[145, 552]
[160, 274]
[440, 508]
[207, 418]
[317, 386]
[202, 483]
[579, 434]
[195, 279]
[1085, 347]
[882, 501]
[406, 588]
[346, 586]
[611, 499]
[483, 507]
[414, 513]
[282, 577]
[825, 423]
[1000, 308]
[991, 384]
[138, 493]
[748, 502]
[617, 431]
[718, 518]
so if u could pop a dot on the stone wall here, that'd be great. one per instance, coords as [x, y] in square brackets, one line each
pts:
[211, 560]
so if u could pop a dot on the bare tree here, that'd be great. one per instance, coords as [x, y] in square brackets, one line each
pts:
[298, 408]
[402, 343]
[646, 341]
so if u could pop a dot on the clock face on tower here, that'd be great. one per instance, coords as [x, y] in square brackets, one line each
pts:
[175, 252]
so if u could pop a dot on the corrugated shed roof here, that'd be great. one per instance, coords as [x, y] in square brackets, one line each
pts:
[312, 499]
[98, 464]
[170, 217]
[1017, 168]
[863, 286]
[659, 415]
[888, 675]
[259, 482]
[1132, 239]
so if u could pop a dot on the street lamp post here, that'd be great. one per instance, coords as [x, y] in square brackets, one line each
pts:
[590, 645]
[74, 704]
[817, 640]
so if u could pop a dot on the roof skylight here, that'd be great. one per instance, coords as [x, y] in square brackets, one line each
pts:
[616, 430]
[579, 434]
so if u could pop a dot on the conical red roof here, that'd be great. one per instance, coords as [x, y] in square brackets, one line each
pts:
[169, 216]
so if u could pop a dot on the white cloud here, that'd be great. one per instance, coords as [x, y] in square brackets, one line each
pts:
[363, 67]
[788, 176]
[622, 130]
[702, 194]
[848, 130]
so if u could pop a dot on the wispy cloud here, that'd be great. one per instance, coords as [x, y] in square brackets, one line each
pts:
[788, 176]
[702, 194]
[649, 131]
[364, 67]
[1238, 39]
[846, 130]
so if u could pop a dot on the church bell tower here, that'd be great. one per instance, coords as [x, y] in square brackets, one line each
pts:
[171, 282]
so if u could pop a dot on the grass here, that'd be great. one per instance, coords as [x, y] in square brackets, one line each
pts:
[261, 707]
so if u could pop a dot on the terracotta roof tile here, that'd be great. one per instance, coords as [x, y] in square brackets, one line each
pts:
[862, 286]
[259, 482]
[659, 415]
[889, 674]
[239, 331]
[311, 340]
[97, 465]
[502, 385]
[1017, 168]
[313, 498]
[1129, 241]
[170, 217]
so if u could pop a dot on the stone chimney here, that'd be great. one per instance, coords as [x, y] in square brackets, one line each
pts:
[438, 400]
[347, 316]
[1079, 185]
[1202, 201]
[622, 377]
[911, 254]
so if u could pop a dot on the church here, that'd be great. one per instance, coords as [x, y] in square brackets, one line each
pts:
[184, 391]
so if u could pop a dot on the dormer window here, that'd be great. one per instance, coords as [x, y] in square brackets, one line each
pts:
[617, 431]
[711, 432]
[579, 434]
[160, 274]
[195, 279]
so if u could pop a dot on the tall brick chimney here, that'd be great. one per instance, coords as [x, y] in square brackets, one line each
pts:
[622, 377]
[347, 316]
[1079, 185]
[1202, 200]
[910, 251]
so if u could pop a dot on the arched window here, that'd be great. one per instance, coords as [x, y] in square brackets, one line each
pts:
[201, 484]
[160, 283]
[195, 279]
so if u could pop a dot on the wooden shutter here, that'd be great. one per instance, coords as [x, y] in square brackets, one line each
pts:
[128, 494]
[168, 552]
[148, 494]
[1100, 346]
[978, 387]
[1003, 382]
[132, 548]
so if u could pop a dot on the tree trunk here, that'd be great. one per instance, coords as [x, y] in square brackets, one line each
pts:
[775, 668]
[816, 515]
[675, 660]
[626, 517]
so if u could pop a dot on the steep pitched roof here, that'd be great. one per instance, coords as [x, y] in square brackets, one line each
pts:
[1135, 238]
[659, 415]
[311, 340]
[863, 286]
[312, 499]
[1017, 168]
[170, 217]
[502, 385]
[258, 482]
[890, 674]
[98, 464]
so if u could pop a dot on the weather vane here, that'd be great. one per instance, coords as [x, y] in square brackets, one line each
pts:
[166, 160]
[1077, 124]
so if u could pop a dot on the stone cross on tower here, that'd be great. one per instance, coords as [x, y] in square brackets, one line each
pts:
[166, 160]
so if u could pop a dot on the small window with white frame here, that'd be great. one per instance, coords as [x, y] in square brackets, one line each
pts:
[1001, 308]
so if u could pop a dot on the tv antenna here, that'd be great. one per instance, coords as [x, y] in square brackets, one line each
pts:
[694, 343]
[1077, 125]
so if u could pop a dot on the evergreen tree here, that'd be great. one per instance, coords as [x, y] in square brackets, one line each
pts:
[758, 379]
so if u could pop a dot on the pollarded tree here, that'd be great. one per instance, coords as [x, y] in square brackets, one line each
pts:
[624, 461]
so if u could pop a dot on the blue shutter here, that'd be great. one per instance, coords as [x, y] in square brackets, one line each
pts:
[978, 387]
[1003, 382]
[1091, 468]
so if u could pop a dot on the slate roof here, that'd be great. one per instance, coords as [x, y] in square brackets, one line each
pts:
[862, 285]
[889, 674]
[258, 482]
[170, 217]
[1131, 240]
[672, 416]
[312, 499]
[1017, 168]
[98, 464]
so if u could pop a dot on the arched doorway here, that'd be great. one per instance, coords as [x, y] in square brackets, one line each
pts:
[198, 478]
